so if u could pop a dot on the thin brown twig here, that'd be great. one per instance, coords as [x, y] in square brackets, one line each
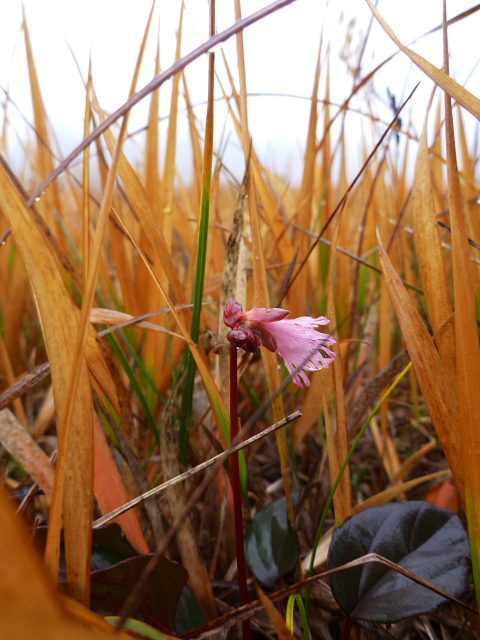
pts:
[204, 465]
[252, 608]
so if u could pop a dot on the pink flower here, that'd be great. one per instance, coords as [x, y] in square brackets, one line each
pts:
[302, 348]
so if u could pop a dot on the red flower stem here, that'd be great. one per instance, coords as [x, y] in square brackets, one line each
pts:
[347, 629]
[237, 494]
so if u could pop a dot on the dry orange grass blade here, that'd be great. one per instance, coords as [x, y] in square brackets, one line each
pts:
[45, 415]
[196, 143]
[110, 490]
[168, 183]
[390, 494]
[151, 226]
[51, 200]
[166, 212]
[430, 260]
[312, 409]
[282, 242]
[9, 376]
[301, 289]
[86, 174]
[75, 496]
[283, 632]
[29, 606]
[152, 169]
[437, 162]
[145, 296]
[326, 188]
[343, 496]
[436, 387]
[466, 339]
[469, 184]
[243, 95]
[125, 269]
[103, 216]
[333, 463]
[26, 451]
[410, 463]
[379, 203]
[80, 559]
[117, 318]
[17, 301]
[218, 405]
[99, 366]
[386, 448]
[442, 79]
[163, 265]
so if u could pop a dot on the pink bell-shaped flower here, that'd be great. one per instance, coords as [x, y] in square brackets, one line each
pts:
[300, 345]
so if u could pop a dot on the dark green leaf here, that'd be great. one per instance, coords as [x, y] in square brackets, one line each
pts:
[189, 613]
[271, 543]
[428, 541]
[109, 547]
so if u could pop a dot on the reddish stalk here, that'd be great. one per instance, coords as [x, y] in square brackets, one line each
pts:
[346, 629]
[237, 494]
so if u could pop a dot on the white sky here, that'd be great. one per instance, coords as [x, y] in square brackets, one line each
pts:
[280, 52]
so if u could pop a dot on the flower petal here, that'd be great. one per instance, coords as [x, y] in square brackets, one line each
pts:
[232, 314]
[244, 338]
[266, 315]
[297, 341]
[266, 336]
[303, 348]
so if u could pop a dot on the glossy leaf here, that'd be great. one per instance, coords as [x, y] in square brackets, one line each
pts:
[109, 547]
[271, 544]
[428, 541]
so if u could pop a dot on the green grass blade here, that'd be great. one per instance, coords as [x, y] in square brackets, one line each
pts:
[202, 245]
[296, 598]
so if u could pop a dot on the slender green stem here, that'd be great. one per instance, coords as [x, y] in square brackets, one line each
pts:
[296, 598]
[187, 396]
[237, 493]
[339, 477]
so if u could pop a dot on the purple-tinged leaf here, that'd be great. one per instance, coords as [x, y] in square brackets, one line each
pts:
[109, 547]
[428, 541]
[111, 587]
